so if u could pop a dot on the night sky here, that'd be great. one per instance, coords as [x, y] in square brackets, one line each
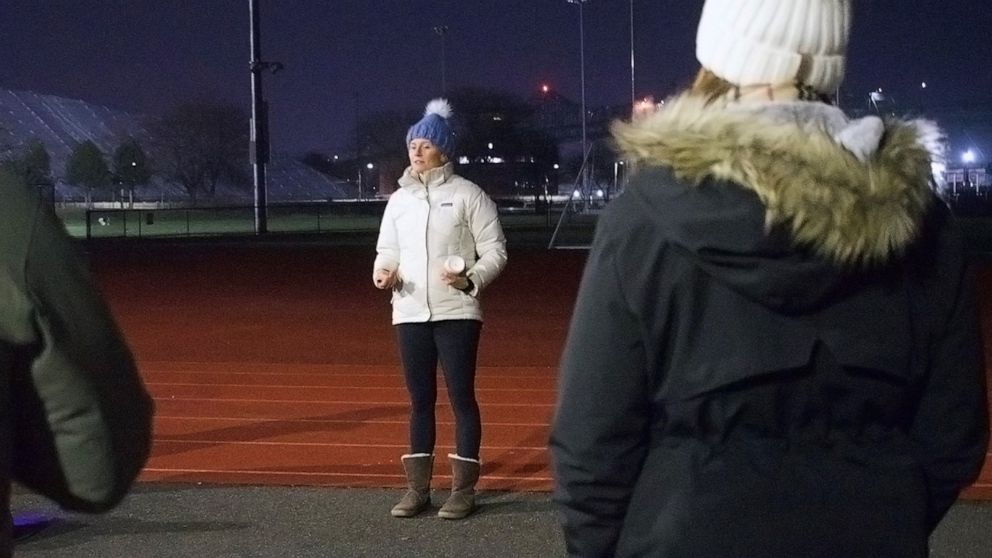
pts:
[344, 58]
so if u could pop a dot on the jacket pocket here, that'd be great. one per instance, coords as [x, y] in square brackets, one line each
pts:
[447, 222]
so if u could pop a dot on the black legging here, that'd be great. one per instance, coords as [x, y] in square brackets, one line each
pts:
[456, 343]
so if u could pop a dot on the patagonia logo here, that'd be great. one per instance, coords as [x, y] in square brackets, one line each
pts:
[447, 204]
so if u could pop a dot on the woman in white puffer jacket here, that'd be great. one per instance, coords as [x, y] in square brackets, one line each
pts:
[440, 244]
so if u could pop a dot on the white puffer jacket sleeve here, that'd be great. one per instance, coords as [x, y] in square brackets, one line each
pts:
[490, 243]
[388, 246]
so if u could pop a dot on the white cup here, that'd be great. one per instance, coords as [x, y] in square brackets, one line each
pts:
[454, 264]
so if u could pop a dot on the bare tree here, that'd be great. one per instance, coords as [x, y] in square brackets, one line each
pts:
[34, 165]
[199, 145]
[87, 168]
[380, 135]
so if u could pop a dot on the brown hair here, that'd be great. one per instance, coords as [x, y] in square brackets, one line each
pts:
[711, 87]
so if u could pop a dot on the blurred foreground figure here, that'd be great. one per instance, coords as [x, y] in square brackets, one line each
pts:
[775, 350]
[75, 419]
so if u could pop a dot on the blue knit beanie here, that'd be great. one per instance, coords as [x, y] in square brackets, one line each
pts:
[434, 127]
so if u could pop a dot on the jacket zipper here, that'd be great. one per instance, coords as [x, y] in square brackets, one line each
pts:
[427, 251]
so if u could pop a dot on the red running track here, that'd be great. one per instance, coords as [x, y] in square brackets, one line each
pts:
[277, 364]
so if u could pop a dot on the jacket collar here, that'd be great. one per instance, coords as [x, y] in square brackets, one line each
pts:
[430, 179]
[855, 191]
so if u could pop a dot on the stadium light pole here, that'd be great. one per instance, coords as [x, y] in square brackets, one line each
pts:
[441, 31]
[632, 98]
[258, 149]
[259, 130]
[582, 63]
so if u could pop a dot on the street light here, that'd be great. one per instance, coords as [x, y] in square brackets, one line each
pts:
[582, 59]
[369, 166]
[875, 97]
[967, 158]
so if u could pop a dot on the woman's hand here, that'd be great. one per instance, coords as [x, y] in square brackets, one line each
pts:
[456, 280]
[385, 278]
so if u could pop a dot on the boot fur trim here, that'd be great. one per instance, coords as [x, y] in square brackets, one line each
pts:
[460, 458]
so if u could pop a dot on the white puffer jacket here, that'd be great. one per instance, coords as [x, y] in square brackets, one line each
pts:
[421, 227]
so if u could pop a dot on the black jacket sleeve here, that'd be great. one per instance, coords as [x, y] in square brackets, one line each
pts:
[951, 426]
[598, 439]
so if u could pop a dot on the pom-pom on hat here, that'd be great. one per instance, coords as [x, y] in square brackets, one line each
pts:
[759, 42]
[434, 126]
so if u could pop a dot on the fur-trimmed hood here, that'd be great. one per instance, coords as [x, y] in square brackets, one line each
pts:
[853, 191]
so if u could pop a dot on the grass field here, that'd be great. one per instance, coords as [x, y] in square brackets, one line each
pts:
[203, 222]
[209, 221]
[206, 222]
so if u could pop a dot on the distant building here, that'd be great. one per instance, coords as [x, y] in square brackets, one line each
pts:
[60, 124]
[561, 117]
[499, 147]
[968, 178]
[966, 182]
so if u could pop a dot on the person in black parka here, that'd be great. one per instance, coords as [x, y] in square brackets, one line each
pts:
[775, 350]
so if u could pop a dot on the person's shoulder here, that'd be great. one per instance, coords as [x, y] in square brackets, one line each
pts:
[460, 182]
[656, 204]
[18, 199]
[466, 188]
[651, 190]
[18, 215]
[13, 186]
[657, 184]
[662, 192]
[400, 195]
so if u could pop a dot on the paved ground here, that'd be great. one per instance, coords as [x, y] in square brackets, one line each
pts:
[178, 521]
[211, 521]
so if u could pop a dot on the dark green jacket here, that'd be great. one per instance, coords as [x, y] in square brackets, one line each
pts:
[76, 419]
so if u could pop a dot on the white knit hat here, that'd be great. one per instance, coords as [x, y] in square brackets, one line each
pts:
[757, 42]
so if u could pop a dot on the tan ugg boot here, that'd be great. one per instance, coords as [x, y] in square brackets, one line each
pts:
[465, 473]
[418, 468]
